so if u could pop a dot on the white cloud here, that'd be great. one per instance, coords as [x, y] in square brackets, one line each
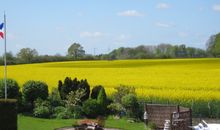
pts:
[216, 7]
[163, 6]
[163, 25]
[130, 13]
[91, 34]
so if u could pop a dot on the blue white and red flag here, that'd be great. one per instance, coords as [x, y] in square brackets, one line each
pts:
[1, 31]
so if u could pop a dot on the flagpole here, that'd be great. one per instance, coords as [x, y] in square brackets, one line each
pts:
[5, 72]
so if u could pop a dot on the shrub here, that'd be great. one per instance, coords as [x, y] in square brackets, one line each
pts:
[12, 91]
[102, 100]
[73, 85]
[54, 98]
[115, 108]
[66, 114]
[131, 105]
[95, 91]
[122, 91]
[42, 108]
[77, 112]
[39, 102]
[91, 108]
[42, 111]
[85, 85]
[8, 112]
[59, 109]
[33, 90]
[74, 98]
[12, 88]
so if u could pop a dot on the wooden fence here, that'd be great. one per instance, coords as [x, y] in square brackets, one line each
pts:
[180, 117]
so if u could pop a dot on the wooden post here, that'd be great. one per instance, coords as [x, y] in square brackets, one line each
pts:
[146, 116]
[178, 109]
[190, 115]
[171, 121]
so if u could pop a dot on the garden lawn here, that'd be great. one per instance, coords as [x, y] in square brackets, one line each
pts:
[30, 123]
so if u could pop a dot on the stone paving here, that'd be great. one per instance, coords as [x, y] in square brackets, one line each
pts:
[71, 128]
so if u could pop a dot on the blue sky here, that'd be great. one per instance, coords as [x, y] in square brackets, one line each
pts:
[51, 26]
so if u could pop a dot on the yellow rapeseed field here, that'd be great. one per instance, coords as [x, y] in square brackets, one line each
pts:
[168, 78]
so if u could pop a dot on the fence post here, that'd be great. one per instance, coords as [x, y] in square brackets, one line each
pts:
[190, 112]
[209, 107]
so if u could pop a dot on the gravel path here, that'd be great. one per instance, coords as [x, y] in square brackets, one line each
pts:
[70, 128]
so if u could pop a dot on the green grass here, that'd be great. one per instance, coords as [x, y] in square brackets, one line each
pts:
[123, 124]
[30, 123]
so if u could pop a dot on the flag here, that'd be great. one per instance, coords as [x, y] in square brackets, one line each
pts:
[1, 31]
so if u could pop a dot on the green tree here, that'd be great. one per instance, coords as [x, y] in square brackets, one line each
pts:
[73, 85]
[10, 58]
[27, 55]
[102, 98]
[33, 90]
[95, 91]
[213, 45]
[85, 85]
[76, 51]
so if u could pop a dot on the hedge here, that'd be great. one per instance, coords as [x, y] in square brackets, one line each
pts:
[8, 112]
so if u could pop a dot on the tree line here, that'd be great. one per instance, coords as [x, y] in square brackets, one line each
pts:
[76, 52]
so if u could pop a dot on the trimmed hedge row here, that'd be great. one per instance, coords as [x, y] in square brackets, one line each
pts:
[8, 114]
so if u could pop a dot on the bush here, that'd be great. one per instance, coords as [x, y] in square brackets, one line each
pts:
[12, 91]
[121, 91]
[33, 90]
[77, 112]
[102, 100]
[74, 98]
[42, 112]
[54, 98]
[39, 102]
[95, 91]
[66, 114]
[73, 102]
[8, 112]
[59, 109]
[115, 108]
[12, 88]
[131, 105]
[85, 85]
[92, 108]
[42, 108]
[73, 85]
